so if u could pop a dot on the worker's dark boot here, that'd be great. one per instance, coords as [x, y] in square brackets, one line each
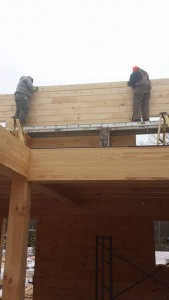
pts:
[136, 120]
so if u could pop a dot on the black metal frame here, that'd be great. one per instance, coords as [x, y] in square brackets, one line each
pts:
[147, 275]
[102, 241]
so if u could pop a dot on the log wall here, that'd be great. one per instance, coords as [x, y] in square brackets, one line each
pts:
[85, 103]
[65, 257]
[65, 253]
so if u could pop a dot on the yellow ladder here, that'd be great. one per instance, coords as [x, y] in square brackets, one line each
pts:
[16, 129]
[162, 128]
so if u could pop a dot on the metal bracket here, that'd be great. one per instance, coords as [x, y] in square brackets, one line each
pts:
[163, 120]
[105, 137]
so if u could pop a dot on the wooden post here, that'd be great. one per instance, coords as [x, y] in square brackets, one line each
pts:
[17, 240]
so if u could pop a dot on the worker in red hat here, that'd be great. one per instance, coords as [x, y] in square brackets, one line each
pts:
[140, 82]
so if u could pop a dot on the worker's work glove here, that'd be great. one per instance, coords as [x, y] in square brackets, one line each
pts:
[35, 88]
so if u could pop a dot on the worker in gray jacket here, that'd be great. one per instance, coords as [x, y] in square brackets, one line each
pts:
[139, 81]
[23, 95]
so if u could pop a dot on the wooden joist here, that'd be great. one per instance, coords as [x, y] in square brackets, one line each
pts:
[51, 193]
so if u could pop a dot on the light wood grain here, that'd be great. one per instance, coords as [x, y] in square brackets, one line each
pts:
[17, 240]
[80, 141]
[85, 103]
[150, 163]
[14, 156]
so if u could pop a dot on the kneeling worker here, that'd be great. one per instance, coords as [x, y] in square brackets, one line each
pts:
[23, 95]
[139, 81]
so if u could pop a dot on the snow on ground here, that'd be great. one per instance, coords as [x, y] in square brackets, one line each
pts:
[29, 273]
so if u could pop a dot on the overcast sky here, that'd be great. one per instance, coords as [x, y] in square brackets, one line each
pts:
[82, 41]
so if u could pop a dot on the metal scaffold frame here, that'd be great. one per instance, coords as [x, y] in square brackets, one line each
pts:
[115, 128]
[105, 130]
[104, 284]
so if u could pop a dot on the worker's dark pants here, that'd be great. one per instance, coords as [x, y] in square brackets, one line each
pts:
[22, 107]
[141, 105]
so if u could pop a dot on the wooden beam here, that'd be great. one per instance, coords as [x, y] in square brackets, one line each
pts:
[79, 141]
[14, 157]
[120, 163]
[51, 193]
[17, 241]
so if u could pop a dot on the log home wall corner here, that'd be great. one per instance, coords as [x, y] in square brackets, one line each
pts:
[76, 194]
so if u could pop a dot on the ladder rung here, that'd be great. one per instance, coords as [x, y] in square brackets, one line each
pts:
[16, 127]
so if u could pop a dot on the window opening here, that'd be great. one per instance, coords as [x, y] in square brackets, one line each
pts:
[31, 249]
[161, 236]
[30, 258]
[3, 124]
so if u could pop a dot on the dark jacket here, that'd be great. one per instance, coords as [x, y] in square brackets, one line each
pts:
[139, 78]
[25, 86]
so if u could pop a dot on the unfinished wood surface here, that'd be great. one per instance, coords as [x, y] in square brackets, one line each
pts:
[79, 141]
[17, 241]
[51, 193]
[85, 103]
[65, 249]
[127, 198]
[65, 265]
[120, 163]
[123, 198]
[14, 156]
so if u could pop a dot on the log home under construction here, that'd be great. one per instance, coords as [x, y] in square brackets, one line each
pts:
[94, 193]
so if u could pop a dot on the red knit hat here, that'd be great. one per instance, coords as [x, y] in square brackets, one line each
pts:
[135, 69]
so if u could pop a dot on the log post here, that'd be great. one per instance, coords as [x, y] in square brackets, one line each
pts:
[17, 240]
